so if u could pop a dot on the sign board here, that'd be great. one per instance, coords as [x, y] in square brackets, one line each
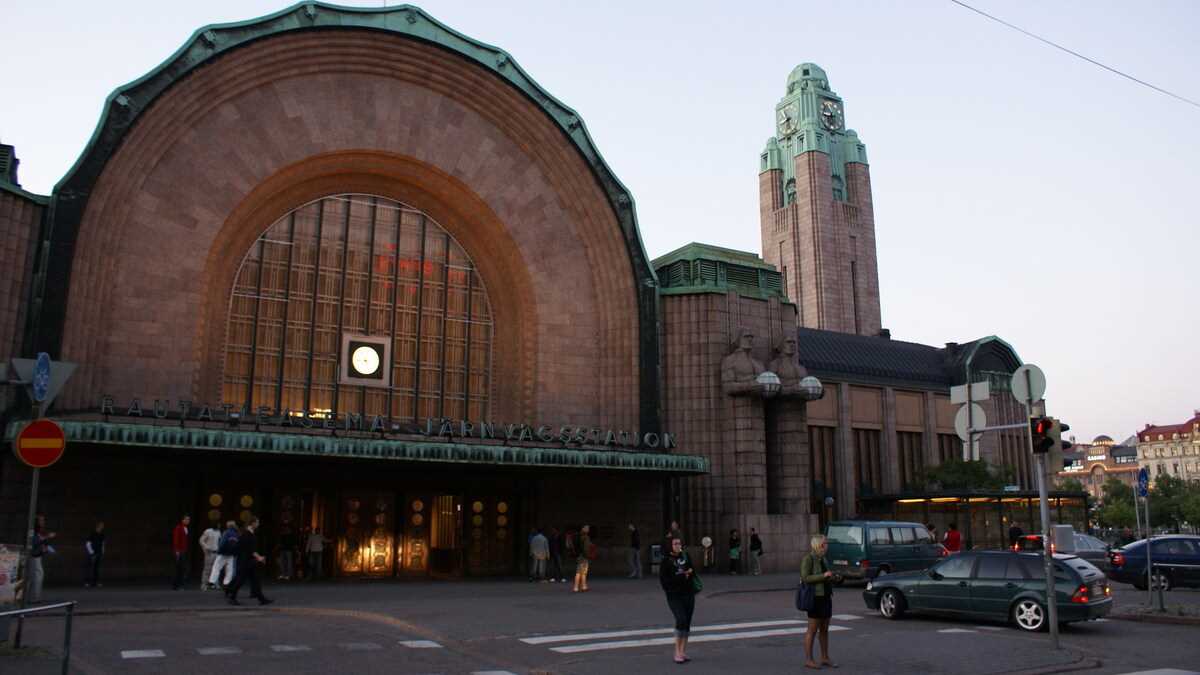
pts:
[40, 444]
[10, 561]
[1143, 487]
[59, 373]
[980, 391]
[41, 377]
[976, 418]
[1012, 488]
[1028, 383]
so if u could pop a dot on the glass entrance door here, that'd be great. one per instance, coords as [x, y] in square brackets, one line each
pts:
[364, 544]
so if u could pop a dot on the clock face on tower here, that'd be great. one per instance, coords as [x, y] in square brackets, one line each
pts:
[831, 114]
[786, 118]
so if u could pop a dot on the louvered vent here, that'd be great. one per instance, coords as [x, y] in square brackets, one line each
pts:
[742, 276]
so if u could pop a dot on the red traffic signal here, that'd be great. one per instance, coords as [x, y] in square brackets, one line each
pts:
[1041, 430]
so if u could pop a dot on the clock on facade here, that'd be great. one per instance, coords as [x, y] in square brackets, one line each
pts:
[786, 118]
[831, 114]
[364, 358]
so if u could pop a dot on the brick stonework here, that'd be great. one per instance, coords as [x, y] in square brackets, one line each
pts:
[733, 431]
[265, 128]
[20, 221]
[815, 239]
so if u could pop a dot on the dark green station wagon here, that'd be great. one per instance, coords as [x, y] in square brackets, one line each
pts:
[998, 585]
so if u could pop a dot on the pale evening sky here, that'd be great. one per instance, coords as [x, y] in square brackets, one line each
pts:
[1018, 191]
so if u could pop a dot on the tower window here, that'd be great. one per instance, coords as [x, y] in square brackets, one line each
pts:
[806, 71]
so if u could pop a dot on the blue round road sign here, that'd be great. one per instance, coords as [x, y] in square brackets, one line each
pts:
[41, 377]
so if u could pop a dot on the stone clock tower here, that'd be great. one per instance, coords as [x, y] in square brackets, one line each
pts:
[818, 225]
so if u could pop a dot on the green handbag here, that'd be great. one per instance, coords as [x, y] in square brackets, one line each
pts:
[697, 584]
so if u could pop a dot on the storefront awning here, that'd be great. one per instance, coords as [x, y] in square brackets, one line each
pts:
[364, 447]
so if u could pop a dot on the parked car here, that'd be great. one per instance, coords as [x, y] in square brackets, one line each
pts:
[1176, 560]
[864, 549]
[1000, 585]
[1087, 547]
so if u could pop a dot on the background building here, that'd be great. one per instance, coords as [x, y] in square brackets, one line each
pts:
[1094, 463]
[1172, 449]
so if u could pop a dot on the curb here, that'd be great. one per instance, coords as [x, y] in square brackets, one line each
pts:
[1158, 618]
[1081, 662]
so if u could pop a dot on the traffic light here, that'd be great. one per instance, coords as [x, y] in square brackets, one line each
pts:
[1054, 457]
[1041, 428]
[1056, 431]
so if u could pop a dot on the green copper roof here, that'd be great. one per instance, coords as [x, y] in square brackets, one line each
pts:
[13, 189]
[701, 268]
[696, 250]
[807, 71]
[811, 118]
[128, 103]
[370, 448]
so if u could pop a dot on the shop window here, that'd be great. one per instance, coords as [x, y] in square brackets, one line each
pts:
[358, 264]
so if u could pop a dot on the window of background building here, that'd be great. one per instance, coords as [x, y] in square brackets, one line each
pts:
[359, 264]
[823, 468]
[911, 456]
[868, 460]
[949, 446]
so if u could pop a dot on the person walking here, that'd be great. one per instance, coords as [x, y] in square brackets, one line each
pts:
[94, 547]
[1014, 535]
[953, 540]
[226, 559]
[756, 551]
[556, 553]
[247, 566]
[539, 549]
[287, 554]
[35, 573]
[634, 557]
[814, 571]
[315, 549]
[735, 551]
[583, 548]
[179, 547]
[210, 541]
[932, 533]
[674, 532]
[710, 553]
[676, 576]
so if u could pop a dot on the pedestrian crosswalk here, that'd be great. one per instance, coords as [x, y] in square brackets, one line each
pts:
[222, 650]
[647, 637]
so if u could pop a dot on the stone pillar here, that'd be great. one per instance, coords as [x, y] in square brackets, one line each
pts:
[847, 467]
[890, 444]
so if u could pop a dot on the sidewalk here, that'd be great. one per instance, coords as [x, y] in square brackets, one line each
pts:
[364, 593]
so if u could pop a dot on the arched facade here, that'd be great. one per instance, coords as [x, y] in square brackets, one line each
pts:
[295, 115]
[218, 247]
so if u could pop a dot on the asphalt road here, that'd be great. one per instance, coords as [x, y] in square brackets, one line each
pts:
[514, 627]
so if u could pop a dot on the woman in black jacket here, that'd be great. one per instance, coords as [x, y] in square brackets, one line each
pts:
[675, 574]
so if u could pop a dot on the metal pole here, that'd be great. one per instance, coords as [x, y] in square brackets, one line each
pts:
[33, 495]
[1137, 516]
[1048, 557]
[66, 660]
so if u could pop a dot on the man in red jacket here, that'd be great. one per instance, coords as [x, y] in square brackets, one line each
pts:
[179, 546]
[953, 540]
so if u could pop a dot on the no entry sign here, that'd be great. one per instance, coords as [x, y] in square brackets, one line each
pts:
[40, 444]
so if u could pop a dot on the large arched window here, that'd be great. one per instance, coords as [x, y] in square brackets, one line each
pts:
[360, 265]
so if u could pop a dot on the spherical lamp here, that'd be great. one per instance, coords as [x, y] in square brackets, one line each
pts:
[770, 383]
[811, 388]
